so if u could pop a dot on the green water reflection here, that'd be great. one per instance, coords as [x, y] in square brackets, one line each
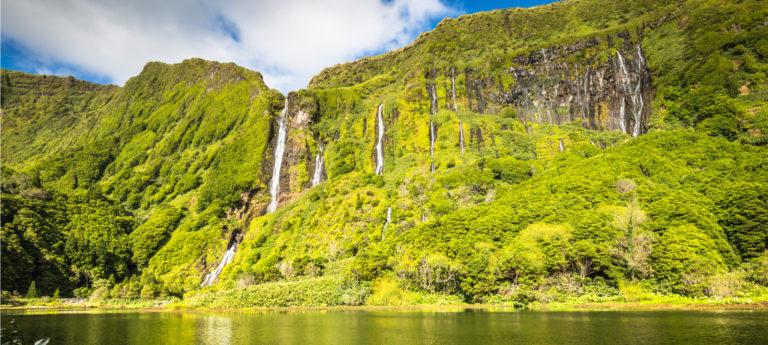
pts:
[395, 327]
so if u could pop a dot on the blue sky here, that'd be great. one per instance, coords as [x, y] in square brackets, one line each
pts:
[289, 41]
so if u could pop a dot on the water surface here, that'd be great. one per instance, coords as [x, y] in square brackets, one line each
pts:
[394, 327]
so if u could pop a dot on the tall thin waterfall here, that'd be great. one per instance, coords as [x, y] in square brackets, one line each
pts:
[637, 97]
[318, 175]
[432, 91]
[453, 89]
[389, 219]
[274, 184]
[562, 148]
[622, 116]
[634, 93]
[623, 78]
[461, 137]
[228, 256]
[432, 142]
[380, 143]
[585, 96]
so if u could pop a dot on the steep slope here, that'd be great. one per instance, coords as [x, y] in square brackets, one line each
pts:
[180, 138]
[36, 111]
[589, 60]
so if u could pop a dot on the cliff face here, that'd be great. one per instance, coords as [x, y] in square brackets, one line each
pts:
[557, 84]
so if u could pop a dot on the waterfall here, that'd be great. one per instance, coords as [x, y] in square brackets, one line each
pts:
[624, 80]
[432, 135]
[585, 95]
[461, 137]
[622, 121]
[431, 138]
[318, 175]
[380, 143]
[637, 97]
[389, 219]
[423, 217]
[592, 142]
[562, 148]
[274, 185]
[453, 89]
[634, 93]
[432, 91]
[228, 256]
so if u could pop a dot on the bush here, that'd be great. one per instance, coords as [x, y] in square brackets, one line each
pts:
[635, 291]
[386, 291]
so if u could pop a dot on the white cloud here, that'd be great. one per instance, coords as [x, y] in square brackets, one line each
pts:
[287, 40]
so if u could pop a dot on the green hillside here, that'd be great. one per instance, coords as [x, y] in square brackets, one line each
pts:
[584, 150]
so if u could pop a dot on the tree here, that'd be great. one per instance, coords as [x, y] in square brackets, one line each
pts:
[685, 257]
[152, 235]
[743, 214]
[32, 291]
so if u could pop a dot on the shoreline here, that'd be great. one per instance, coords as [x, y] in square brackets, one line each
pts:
[608, 306]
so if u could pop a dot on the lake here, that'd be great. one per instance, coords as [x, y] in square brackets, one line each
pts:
[392, 327]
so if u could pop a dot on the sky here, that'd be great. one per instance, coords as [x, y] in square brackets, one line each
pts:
[288, 41]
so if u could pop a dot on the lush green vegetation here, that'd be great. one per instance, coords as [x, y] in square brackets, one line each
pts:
[170, 151]
[134, 193]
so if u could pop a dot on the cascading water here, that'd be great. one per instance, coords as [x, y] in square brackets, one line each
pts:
[432, 143]
[380, 143]
[585, 96]
[461, 137]
[637, 97]
[228, 256]
[274, 184]
[389, 219]
[562, 148]
[318, 175]
[432, 91]
[623, 79]
[634, 93]
[622, 118]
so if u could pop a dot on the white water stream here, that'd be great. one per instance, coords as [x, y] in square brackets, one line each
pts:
[274, 184]
[228, 256]
[432, 143]
[380, 143]
[319, 162]
[389, 218]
